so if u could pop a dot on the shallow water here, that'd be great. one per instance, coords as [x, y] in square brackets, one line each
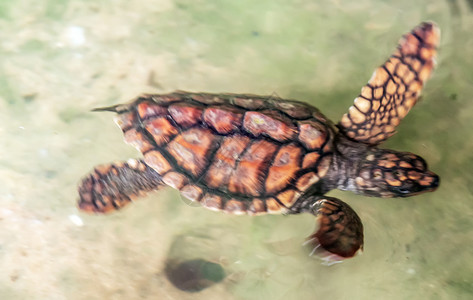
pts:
[59, 59]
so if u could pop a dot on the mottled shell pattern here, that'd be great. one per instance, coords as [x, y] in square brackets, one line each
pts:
[231, 152]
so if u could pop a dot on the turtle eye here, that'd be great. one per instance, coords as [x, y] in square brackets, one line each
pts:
[397, 173]
[403, 190]
[377, 174]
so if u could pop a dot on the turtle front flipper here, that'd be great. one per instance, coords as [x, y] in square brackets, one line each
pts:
[394, 88]
[340, 232]
[110, 187]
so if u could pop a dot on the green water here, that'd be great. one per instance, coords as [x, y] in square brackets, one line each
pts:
[59, 59]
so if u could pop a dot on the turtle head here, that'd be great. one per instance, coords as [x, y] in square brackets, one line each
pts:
[388, 173]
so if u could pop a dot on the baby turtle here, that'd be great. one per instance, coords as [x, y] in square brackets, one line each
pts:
[248, 154]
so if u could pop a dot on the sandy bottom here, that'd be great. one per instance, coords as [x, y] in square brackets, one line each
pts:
[59, 59]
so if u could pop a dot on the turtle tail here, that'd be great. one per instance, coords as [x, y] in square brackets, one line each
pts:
[110, 187]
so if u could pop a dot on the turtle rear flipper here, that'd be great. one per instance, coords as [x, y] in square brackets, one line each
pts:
[112, 186]
[394, 88]
[340, 232]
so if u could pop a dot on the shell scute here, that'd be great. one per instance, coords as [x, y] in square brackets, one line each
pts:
[269, 123]
[148, 109]
[288, 197]
[307, 180]
[250, 103]
[138, 140]
[256, 207]
[208, 99]
[224, 163]
[156, 160]
[234, 206]
[211, 201]
[283, 170]
[161, 129]
[274, 207]
[223, 119]
[125, 121]
[166, 98]
[175, 180]
[248, 176]
[296, 110]
[191, 147]
[184, 114]
[312, 135]
[192, 192]
[310, 160]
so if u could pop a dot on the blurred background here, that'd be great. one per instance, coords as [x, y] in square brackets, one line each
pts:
[60, 59]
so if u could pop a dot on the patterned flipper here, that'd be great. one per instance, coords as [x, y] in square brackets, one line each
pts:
[110, 187]
[340, 232]
[394, 88]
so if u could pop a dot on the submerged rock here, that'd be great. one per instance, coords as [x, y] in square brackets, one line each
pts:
[194, 275]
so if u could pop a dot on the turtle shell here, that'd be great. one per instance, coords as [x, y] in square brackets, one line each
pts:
[231, 152]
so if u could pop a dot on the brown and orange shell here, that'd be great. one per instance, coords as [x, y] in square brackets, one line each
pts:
[236, 153]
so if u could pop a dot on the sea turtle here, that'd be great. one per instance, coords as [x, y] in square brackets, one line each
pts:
[248, 154]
